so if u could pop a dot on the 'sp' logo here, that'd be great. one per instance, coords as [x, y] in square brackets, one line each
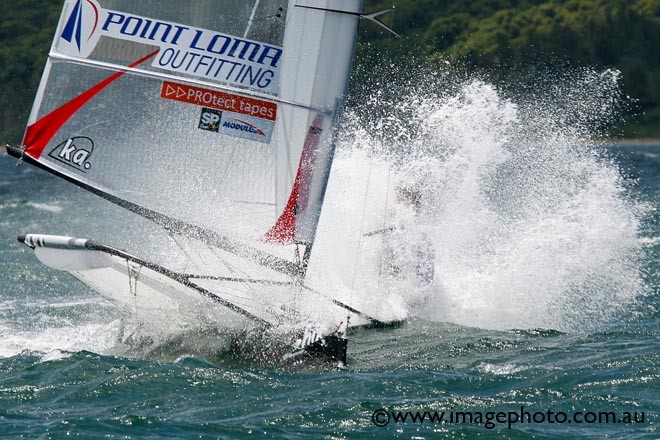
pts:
[75, 152]
[79, 36]
[210, 119]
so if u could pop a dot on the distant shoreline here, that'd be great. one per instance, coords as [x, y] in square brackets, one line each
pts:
[634, 141]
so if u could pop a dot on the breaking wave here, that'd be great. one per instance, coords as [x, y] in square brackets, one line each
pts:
[529, 220]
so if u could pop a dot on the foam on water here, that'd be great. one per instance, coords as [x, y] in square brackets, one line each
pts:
[54, 208]
[649, 241]
[57, 342]
[506, 369]
[530, 223]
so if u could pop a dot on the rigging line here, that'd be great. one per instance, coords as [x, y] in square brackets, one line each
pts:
[233, 270]
[371, 17]
[130, 286]
[236, 280]
[137, 277]
[251, 19]
[230, 267]
[238, 296]
[359, 243]
[222, 259]
[389, 169]
[173, 237]
[382, 239]
[364, 206]
[388, 56]
[132, 291]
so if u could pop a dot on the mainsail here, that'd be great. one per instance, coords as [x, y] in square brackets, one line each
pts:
[214, 119]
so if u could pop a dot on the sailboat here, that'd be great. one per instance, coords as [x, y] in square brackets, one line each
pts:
[215, 121]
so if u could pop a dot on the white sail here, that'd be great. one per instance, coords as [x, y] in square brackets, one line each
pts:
[244, 153]
[214, 119]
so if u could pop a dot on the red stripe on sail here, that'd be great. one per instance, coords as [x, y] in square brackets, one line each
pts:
[284, 230]
[41, 132]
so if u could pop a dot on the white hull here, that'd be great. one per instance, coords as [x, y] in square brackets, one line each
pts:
[175, 303]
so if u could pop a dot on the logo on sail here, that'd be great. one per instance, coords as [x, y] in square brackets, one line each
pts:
[246, 127]
[79, 35]
[183, 49]
[210, 119]
[75, 152]
[237, 124]
[227, 113]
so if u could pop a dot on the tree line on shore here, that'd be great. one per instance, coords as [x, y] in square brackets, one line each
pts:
[506, 38]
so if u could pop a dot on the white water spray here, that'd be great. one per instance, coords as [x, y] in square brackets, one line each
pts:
[530, 224]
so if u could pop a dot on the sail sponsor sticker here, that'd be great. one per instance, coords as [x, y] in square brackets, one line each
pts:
[210, 119]
[246, 127]
[75, 152]
[183, 49]
[227, 113]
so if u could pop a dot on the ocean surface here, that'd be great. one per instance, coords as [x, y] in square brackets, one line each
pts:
[62, 376]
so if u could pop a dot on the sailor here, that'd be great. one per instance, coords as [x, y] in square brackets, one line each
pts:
[408, 251]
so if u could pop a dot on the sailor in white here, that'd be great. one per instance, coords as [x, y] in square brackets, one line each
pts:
[408, 252]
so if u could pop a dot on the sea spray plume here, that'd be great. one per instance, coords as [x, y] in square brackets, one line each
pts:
[531, 226]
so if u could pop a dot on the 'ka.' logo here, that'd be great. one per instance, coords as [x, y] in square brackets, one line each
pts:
[79, 36]
[75, 152]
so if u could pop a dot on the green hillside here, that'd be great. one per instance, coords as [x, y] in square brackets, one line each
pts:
[26, 31]
[516, 38]
[504, 37]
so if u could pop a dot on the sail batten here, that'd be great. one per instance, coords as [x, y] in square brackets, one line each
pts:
[192, 81]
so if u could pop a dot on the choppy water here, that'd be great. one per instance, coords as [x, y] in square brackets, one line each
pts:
[546, 297]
